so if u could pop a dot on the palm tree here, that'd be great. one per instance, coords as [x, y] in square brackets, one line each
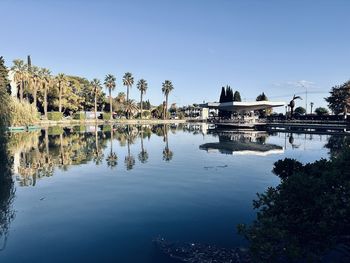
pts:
[130, 108]
[110, 85]
[128, 81]
[62, 83]
[46, 81]
[96, 84]
[142, 86]
[34, 82]
[292, 104]
[311, 105]
[98, 155]
[20, 70]
[167, 87]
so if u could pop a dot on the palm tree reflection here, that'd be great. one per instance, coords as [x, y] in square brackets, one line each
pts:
[129, 159]
[112, 158]
[143, 155]
[167, 153]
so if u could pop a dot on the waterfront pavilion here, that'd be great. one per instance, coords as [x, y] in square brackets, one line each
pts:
[240, 110]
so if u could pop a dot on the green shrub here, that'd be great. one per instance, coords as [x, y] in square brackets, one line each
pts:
[22, 113]
[55, 130]
[54, 116]
[79, 116]
[106, 116]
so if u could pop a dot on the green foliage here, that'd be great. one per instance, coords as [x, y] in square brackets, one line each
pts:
[106, 116]
[22, 113]
[300, 111]
[237, 96]
[306, 215]
[79, 116]
[4, 97]
[339, 98]
[320, 111]
[54, 116]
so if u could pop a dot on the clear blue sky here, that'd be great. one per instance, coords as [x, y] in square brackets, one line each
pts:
[201, 45]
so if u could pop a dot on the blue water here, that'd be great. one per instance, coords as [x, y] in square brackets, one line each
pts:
[85, 212]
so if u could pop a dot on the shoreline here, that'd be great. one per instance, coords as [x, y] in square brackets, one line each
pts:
[48, 123]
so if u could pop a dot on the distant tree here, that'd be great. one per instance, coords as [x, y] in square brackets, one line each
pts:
[110, 85]
[237, 96]
[4, 96]
[97, 88]
[222, 95]
[229, 94]
[46, 82]
[142, 87]
[300, 111]
[339, 99]
[320, 111]
[62, 84]
[167, 87]
[20, 75]
[262, 97]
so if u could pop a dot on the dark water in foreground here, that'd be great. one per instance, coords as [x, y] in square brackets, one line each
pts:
[81, 196]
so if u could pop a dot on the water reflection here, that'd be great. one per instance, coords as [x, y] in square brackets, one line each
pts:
[7, 192]
[252, 143]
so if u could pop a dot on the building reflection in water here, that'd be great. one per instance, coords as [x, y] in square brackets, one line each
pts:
[252, 143]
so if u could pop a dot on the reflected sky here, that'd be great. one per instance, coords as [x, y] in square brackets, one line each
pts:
[102, 193]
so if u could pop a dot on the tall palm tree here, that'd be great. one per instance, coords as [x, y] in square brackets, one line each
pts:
[46, 81]
[167, 87]
[20, 70]
[96, 85]
[34, 82]
[142, 86]
[110, 85]
[128, 81]
[62, 83]
[129, 159]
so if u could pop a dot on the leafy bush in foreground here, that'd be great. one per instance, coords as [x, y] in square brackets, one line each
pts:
[22, 113]
[307, 215]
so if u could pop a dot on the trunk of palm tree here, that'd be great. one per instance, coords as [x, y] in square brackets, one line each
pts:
[166, 107]
[95, 105]
[35, 92]
[127, 100]
[110, 103]
[45, 102]
[47, 140]
[60, 98]
[21, 85]
[141, 105]
[142, 149]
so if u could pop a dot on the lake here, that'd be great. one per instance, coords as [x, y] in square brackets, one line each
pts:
[102, 193]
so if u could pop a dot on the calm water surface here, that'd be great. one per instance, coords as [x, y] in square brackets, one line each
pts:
[96, 194]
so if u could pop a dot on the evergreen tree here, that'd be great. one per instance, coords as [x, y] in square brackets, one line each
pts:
[237, 96]
[262, 97]
[222, 95]
[229, 94]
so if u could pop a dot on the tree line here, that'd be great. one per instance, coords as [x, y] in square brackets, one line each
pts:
[68, 94]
